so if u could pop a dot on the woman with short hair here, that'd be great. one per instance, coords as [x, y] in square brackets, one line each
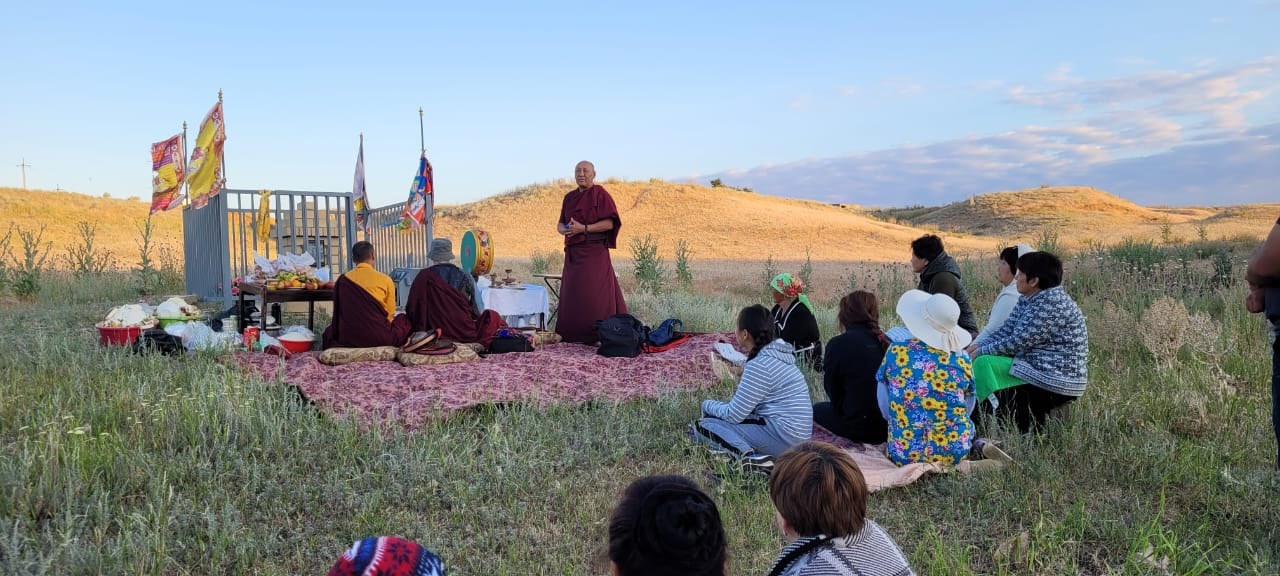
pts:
[821, 500]
[1038, 361]
[1006, 269]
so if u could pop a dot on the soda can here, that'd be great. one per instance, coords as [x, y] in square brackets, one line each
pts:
[250, 337]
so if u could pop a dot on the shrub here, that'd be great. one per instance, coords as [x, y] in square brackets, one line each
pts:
[1049, 240]
[6, 242]
[544, 262]
[649, 267]
[147, 276]
[683, 272]
[1143, 255]
[85, 257]
[26, 272]
[770, 270]
[806, 269]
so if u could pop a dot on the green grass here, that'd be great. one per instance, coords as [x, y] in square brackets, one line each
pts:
[114, 463]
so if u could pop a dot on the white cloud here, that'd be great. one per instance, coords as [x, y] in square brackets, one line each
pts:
[902, 87]
[801, 103]
[1168, 137]
[848, 90]
[1062, 75]
[1216, 97]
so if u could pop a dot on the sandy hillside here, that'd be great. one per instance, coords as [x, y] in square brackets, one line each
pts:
[117, 221]
[1081, 215]
[718, 223]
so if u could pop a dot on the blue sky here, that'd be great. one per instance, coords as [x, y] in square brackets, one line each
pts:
[842, 101]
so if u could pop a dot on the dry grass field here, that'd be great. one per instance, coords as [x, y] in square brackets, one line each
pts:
[117, 223]
[1084, 215]
[721, 224]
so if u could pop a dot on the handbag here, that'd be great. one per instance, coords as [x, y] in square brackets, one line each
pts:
[621, 336]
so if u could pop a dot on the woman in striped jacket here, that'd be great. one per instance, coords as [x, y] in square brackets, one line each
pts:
[821, 499]
[770, 411]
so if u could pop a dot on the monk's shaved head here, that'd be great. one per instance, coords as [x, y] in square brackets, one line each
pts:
[585, 174]
[362, 252]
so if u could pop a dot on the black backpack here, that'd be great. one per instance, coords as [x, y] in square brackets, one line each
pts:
[621, 336]
[156, 340]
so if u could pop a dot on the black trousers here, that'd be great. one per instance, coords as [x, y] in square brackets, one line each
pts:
[824, 414]
[1029, 405]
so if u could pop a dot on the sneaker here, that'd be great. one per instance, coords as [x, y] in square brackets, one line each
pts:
[984, 449]
[701, 436]
[757, 463]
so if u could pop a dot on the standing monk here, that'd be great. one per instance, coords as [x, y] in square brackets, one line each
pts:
[589, 290]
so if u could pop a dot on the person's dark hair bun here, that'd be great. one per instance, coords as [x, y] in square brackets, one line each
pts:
[667, 525]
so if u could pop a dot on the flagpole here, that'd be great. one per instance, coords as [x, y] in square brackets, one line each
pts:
[431, 198]
[186, 193]
[362, 229]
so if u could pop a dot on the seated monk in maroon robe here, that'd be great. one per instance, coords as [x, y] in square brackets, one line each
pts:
[589, 289]
[437, 303]
[364, 306]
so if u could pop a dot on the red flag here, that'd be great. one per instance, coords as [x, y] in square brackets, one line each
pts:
[168, 172]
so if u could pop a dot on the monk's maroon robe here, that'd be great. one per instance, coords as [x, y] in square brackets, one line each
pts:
[589, 290]
[433, 303]
[360, 321]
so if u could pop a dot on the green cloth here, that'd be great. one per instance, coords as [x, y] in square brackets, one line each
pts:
[791, 287]
[991, 374]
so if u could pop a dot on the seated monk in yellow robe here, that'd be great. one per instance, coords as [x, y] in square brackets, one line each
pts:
[443, 297]
[364, 306]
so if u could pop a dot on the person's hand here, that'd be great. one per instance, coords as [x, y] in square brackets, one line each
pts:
[1256, 301]
[970, 349]
[577, 227]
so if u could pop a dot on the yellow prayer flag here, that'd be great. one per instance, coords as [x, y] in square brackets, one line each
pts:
[205, 178]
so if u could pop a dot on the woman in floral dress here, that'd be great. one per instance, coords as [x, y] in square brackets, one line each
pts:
[926, 384]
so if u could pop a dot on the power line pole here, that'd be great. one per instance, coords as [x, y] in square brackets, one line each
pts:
[24, 167]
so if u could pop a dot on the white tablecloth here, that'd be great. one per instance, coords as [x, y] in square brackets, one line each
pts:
[517, 307]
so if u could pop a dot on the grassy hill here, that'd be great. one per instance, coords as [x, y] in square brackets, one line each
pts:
[1082, 214]
[117, 222]
[717, 223]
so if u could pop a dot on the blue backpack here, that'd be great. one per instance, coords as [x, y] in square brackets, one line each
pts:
[669, 330]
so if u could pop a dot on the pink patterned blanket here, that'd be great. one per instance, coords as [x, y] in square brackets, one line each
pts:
[386, 392]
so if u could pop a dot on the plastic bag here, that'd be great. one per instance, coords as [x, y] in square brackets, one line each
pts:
[177, 329]
[262, 266]
[265, 341]
[298, 329]
[199, 336]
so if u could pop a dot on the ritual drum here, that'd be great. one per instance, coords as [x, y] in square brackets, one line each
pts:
[477, 252]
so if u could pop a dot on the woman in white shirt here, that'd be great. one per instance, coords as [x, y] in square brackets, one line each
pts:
[1005, 271]
[1008, 298]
